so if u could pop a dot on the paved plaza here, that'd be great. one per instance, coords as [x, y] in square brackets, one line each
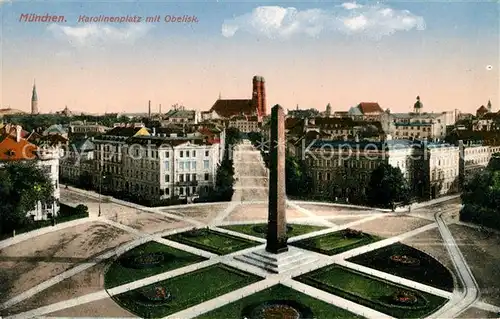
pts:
[59, 271]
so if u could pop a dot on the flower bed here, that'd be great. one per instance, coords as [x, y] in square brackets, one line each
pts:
[404, 298]
[145, 260]
[154, 296]
[405, 260]
[277, 309]
[351, 233]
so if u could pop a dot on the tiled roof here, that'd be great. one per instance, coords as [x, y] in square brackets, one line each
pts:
[11, 150]
[416, 116]
[291, 122]
[369, 107]
[123, 131]
[482, 109]
[355, 110]
[229, 108]
[180, 114]
[491, 116]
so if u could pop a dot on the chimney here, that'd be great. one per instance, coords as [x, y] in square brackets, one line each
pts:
[149, 109]
[19, 129]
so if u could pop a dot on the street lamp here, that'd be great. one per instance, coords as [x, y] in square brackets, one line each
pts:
[101, 177]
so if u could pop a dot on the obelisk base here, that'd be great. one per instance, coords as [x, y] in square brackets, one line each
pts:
[277, 248]
[278, 263]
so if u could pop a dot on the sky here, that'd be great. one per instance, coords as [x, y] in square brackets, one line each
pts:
[310, 53]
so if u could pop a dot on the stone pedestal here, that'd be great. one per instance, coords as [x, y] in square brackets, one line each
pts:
[278, 263]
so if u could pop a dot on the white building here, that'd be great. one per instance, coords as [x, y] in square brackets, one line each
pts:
[245, 124]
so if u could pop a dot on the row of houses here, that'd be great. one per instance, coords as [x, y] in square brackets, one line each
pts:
[433, 169]
[152, 163]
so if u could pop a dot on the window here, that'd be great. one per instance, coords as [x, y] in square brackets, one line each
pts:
[167, 178]
[188, 177]
[181, 177]
[181, 191]
[206, 176]
[167, 154]
[194, 178]
[206, 164]
[181, 153]
[167, 191]
[187, 153]
[206, 153]
[181, 165]
[193, 154]
[167, 165]
[193, 165]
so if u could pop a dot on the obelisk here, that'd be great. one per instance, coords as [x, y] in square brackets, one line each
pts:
[276, 224]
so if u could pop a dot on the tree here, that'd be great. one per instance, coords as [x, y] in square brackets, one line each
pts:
[387, 186]
[81, 210]
[224, 181]
[22, 186]
[481, 197]
[297, 180]
[233, 136]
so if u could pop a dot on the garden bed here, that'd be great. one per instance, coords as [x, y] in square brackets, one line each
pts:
[212, 241]
[185, 291]
[337, 242]
[427, 270]
[147, 260]
[372, 292]
[282, 295]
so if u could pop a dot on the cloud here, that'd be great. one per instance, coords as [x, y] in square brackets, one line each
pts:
[349, 18]
[99, 34]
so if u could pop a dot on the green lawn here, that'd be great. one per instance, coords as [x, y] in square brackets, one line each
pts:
[334, 243]
[119, 274]
[212, 241]
[297, 229]
[370, 291]
[320, 309]
[187, 290]
[430, 271]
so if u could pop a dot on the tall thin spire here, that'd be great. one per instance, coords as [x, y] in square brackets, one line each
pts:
[34, 99]
[34, 96]
[220, 95]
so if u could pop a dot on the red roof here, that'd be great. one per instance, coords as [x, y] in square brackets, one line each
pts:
[229, 108]
[12, 150]
[370, 107]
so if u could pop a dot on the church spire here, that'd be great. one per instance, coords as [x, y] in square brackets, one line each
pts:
[34, 96]
[489, 106]
[34, 100]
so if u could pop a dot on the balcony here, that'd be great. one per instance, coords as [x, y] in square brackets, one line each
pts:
[187, 183]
